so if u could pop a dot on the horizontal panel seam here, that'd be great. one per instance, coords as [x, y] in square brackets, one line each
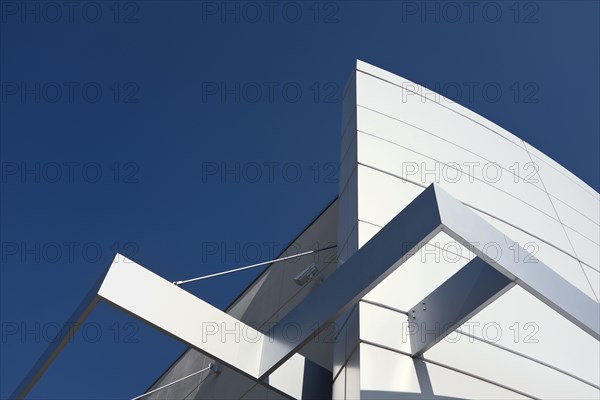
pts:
[448, 367]
[444, 140]
[577, 211]
[587, 190]
[483, 158]
[529, 358]
[564, 228]
[486, 213]
[449, 166]
[450, 109]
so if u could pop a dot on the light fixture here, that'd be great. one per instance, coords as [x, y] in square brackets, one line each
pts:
[307, 275]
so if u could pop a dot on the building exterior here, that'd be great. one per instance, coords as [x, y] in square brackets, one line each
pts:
[510, 268]
[397, 138]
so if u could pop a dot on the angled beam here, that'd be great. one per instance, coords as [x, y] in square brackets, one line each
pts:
[156, 301]
[432, 211]
[516, 263]
[209, 330]
[185, 317]
[54, 348]
[180, 314]
[463, 295]
[205, 328]
[414, 226]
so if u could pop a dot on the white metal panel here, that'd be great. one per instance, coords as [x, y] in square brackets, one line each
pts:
[594, 278]
[366, 231]
[379, 154]
[339, 348]
[577, 221]
[563, 264]
[382, 196]
[463, 295]
[421, 274]
[352, 331]
[398, 103]
[587, 251]
[353, 376]
[384, 327]
[559, 168]
[451, 105]
[518, 179]
[353, 280]
[390, 100]
[290, 376]
[563, 188]
[347, 325]
[467, 227]
[150, 297]
[450, 247]
[339, 386]
[393, 375]
[386, 371]
[513, 371]
[446, 382]
[520, 322]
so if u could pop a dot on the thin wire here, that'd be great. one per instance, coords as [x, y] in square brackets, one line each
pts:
[252, 266]
[172, 383]
[197, 386]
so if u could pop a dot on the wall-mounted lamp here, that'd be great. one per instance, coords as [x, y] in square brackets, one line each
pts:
[307, 275]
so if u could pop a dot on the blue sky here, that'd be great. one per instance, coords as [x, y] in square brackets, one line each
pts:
[194, 138]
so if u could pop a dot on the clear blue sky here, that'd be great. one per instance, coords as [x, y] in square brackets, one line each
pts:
[117, 119]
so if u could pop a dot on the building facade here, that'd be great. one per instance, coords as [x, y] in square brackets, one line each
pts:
[397, 138]
[523, 323]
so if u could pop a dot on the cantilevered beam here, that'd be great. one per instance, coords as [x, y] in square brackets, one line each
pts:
[464, 294]
[517, 264]
[152, 299]
[432, 211]
[403, 236]
[180, 314]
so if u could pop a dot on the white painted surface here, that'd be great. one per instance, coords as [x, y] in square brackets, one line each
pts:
[562, 263]
[390, 375]
[518, 373]
[422, 273]
[523, 324]
[535, 202]
[338, 391]
[289, 377]
[587, 251]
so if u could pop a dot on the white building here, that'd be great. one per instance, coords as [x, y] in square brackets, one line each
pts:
[486, 286]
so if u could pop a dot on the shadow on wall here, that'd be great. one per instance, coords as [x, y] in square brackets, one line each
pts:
[424, 384]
